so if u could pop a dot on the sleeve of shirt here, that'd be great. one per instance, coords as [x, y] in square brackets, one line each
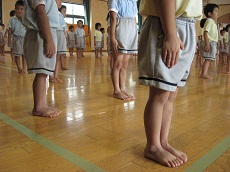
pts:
[9, 23]
[35, 3]
[113, 5]
[207, 26]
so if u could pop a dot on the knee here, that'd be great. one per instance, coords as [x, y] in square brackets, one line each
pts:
[117, 65]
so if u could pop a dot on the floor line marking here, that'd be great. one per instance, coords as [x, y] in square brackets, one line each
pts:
[210, 157]
[62, 152]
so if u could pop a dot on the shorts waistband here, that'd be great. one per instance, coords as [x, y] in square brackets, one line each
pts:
[18, 36]
[185, 19]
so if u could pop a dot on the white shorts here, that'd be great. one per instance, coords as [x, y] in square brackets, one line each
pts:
[211, 55]
[61, 42]
[98, 45]
[37, 61]
[127, 41]
[80, 43]
[152, 70]
[17, 45]
[71, 44]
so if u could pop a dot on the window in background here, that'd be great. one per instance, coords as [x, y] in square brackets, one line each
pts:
[74, 13]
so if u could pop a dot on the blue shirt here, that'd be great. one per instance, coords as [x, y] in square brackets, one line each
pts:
[16, 27]
[30, 20]
[123, 8]
[62, 23]
[80, 32]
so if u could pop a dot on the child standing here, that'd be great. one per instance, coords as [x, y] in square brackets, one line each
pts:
[228, 48]
[18, 31]
[97, 39]
[122, 19]
[3, 37]
[166, 50]
[40, 45]
[102, 40]
[12, 14]
[222, 48]
[210, 38]
[61, 44]
[71, 39]
[80, 38]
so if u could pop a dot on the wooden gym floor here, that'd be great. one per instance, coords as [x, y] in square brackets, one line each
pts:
[97, 132]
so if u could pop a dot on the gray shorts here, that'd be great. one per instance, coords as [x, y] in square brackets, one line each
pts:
[17, 45]
[127, 41]
[211, 55]
[71, 44]
[37, 61]
[61, 42]
[152, 69]
[98, 45]
[80, 43]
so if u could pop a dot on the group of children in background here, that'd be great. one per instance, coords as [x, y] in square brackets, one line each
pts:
[212, 42]
[166, 51]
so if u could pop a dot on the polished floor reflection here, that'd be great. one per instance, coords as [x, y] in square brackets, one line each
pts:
[103, 130]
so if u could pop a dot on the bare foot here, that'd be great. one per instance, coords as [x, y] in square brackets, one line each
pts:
[58, 80]
[121, 96]
[53, 80]
[181, 155]
[64, 68]
[163, 157]
[131, 97]
[206, 77]
[228, 72]
[48, 112]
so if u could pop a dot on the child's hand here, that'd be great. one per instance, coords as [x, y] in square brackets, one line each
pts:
[114, 45]
[207, 47]
[50, 49]
[171, 49]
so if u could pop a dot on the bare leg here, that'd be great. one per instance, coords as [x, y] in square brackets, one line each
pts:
[17, 61]
[123, 72]
[23, 64]
[117, 65]
[12, 55]
[205, 67]
[39, 91]
[153, 125]
[165, 126]
[62, 57]
[55, 77]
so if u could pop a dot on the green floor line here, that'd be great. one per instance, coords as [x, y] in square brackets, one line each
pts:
[205, 161]
[62, 152]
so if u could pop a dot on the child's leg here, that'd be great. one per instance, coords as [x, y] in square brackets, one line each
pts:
[96, 53]
[11, 54]
[165, 126]
[62, 57]
[78, 52]
[123, 72]
[23, 64]
[116, 73]
[82, 51]
[17, 61]
[228, 65]
[204, 73]
[71, 51]
[101, 52]
[153, 125]
[39, 91]
[55, 78]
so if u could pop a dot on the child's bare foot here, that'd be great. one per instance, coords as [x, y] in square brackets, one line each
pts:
[64, 68]
[206, 77]
[181, 155]
[48, 112]
[163, 157]
[228, 72]
[121, 96]
[131, 97]
[58, 80]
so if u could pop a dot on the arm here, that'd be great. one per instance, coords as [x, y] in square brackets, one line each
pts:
[9, 36]
[225, 43]
[75, 36]
[113, 41]
[94, 40]
[207, 47]
[171, 44]
[44, 27]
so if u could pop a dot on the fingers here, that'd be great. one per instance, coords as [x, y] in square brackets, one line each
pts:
[50, 53]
